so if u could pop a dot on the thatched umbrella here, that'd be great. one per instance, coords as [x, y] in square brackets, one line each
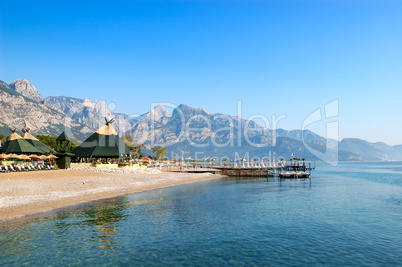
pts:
[13, 156]
[25, 157]
[43, 157]
[34, 156]
[51, 157]
[4, 156]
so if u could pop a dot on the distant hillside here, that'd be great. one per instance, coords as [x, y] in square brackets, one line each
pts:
[18, 111]
[232, 137]
[26, 89]
[186, 132]
[361, 147]
[88, 112]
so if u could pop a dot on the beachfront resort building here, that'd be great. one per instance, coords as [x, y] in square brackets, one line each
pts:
[104, 143]
[18, 145]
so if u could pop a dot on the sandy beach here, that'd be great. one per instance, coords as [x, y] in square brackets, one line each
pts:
[29, 193]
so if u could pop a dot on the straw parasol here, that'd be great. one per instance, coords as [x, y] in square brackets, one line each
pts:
[25, 157]
[13, 156]
[34, 156]
[43, 157]
[52, 157]
[4, 156]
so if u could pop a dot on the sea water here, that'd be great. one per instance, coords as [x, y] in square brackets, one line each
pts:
[350, 214]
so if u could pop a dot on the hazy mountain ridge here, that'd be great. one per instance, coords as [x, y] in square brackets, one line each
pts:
[224, 130]
[87, 112]
[186, 131]
[26, 89]
[18, 111]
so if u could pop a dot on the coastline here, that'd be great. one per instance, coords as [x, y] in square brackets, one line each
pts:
[31, 193]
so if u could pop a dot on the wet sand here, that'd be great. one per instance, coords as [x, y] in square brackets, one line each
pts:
[28, 193]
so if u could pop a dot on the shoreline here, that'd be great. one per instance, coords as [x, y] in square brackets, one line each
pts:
[28, 194]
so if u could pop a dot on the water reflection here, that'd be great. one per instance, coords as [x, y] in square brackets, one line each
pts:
[295, 183]
[106, 219]
[95, 223]
[327, 219]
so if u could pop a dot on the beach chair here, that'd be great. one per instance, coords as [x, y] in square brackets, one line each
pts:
[32, 167]
[15, 168]
[27, 168]
[6, 169]
[18, 167]
[11, 168]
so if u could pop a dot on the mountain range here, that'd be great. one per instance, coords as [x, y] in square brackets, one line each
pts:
[186, 131]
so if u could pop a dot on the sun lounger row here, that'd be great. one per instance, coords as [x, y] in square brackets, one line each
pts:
[20, 168]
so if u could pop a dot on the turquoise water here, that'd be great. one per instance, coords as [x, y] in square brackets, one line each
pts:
[345, 215]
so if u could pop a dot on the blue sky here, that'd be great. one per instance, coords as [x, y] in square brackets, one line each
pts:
[277, 57]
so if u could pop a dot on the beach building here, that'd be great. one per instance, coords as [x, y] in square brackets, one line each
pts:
[63, 147]
[36, 143]
[17, 145]
[104, 143]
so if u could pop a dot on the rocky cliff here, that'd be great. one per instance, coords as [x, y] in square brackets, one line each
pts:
[18, 111]
[186, 131]
[26, 89]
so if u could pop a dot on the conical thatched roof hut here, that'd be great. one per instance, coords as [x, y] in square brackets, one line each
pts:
[36, 143]
[16, 144]
[104, 143]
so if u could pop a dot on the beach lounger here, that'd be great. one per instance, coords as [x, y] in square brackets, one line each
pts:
[26, 168]
[19, 168]
[32, 167]
[15, 168]
[11, 168]
[5, 168]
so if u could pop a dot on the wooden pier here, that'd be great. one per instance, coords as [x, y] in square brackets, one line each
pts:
[254, 171]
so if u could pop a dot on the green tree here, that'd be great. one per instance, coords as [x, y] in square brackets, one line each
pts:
[160, 152]
[135, 149]
[128, 140]
[74, 143]
[2, 139]
[48, 140]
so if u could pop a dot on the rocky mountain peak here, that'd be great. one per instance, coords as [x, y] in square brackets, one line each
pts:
[157, 114]
[26, 89]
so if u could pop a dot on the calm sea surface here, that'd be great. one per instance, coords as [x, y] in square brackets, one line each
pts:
[345, 215]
